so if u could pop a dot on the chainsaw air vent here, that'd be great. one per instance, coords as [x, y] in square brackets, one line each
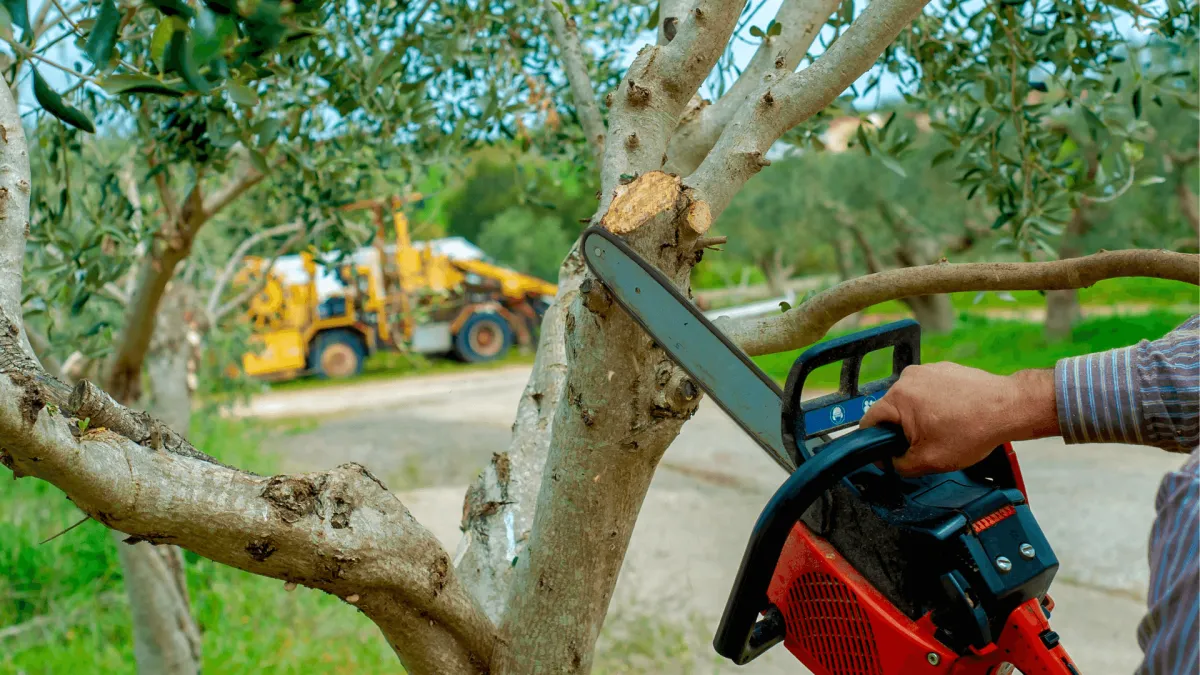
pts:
[824, 619]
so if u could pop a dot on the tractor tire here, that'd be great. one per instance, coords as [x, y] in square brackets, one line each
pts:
[485, 336]
[338, 354]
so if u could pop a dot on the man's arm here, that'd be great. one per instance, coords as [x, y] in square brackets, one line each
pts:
[953, 416]
[1147, 394]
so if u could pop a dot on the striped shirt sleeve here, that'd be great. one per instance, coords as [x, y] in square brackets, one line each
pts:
[1147, 394]
[1168, 632]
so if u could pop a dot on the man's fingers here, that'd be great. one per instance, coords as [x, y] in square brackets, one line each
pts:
[909, 464]
[881, 411]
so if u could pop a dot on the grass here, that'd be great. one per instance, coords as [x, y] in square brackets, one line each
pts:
[997, 346]
[250, 624]
[1122, 291]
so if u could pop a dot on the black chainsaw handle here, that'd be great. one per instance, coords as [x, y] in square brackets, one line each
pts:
[740, 636]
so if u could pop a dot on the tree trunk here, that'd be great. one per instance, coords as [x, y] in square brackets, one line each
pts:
[1062, 307]
[498, 508]
[935, 313]
[776, 272]
[623, 402]
[842, 253]
[166, 637]
[1062, 313]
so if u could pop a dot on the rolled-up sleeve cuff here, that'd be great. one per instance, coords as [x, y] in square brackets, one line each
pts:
[1097, 398]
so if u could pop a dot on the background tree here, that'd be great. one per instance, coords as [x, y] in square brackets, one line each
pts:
[565, 496]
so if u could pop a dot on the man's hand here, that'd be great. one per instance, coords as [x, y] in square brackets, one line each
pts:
[954, 416]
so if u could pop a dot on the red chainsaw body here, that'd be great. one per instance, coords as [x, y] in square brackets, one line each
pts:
[837, 623]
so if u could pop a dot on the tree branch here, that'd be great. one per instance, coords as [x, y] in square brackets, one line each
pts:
[810, 321]
[235, 261]
[782, 103]
[14, 213]
[574, 64]
[340, 531]
[864, 246]
[657, 87]
[800, 21]
[166, 194]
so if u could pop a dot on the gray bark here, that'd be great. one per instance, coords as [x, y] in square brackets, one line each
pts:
[166, 637]
[1062, 307]
[1062, 313]
[935, 313]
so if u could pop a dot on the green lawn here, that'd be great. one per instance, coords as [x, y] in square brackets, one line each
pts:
[1122, 291]
[249, 622]
[998, 346]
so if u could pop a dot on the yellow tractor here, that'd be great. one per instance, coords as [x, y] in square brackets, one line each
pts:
[315, 319]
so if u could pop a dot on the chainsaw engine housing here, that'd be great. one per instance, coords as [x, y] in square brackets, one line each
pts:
[859, 571]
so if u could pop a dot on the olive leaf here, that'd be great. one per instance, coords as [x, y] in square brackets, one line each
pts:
[103, 37]
[52, 103]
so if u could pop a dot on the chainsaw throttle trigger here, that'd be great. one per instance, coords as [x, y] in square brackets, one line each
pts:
[806, 420]
[741, 636]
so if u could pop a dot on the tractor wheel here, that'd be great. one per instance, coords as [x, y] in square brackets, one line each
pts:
[484, 337]
[338, 354]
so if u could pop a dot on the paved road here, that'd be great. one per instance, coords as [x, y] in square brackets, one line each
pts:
[429, 436]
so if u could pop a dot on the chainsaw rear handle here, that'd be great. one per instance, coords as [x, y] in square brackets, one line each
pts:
[741, 636]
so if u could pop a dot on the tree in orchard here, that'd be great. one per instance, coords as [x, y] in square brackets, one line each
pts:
[548, 522]
[199, 106]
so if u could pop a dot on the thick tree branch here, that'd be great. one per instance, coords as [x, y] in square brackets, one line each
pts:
[645, 109]
[783, 102]
[340, 531]
[810, 321]
[575, 65]
[14, 213]
[800, 22]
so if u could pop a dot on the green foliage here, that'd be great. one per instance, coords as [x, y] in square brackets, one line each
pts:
[521, 240]
[494, 180]
[1006, 82]
[1001, 347]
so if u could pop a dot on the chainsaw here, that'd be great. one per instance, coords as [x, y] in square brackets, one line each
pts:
[855, 569]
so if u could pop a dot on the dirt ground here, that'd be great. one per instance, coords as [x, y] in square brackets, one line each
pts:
[428, 436]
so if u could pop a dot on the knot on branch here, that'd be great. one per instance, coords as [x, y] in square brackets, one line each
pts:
[678, 396]
[293, 497]
[332, 496]
[638, 95]
[670, 26]
[632, 141]
[595, 296]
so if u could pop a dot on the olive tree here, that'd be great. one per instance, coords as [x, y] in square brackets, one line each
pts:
[548, 522]
[198, 106]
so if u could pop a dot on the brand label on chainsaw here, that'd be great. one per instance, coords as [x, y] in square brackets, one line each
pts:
[837, 416]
